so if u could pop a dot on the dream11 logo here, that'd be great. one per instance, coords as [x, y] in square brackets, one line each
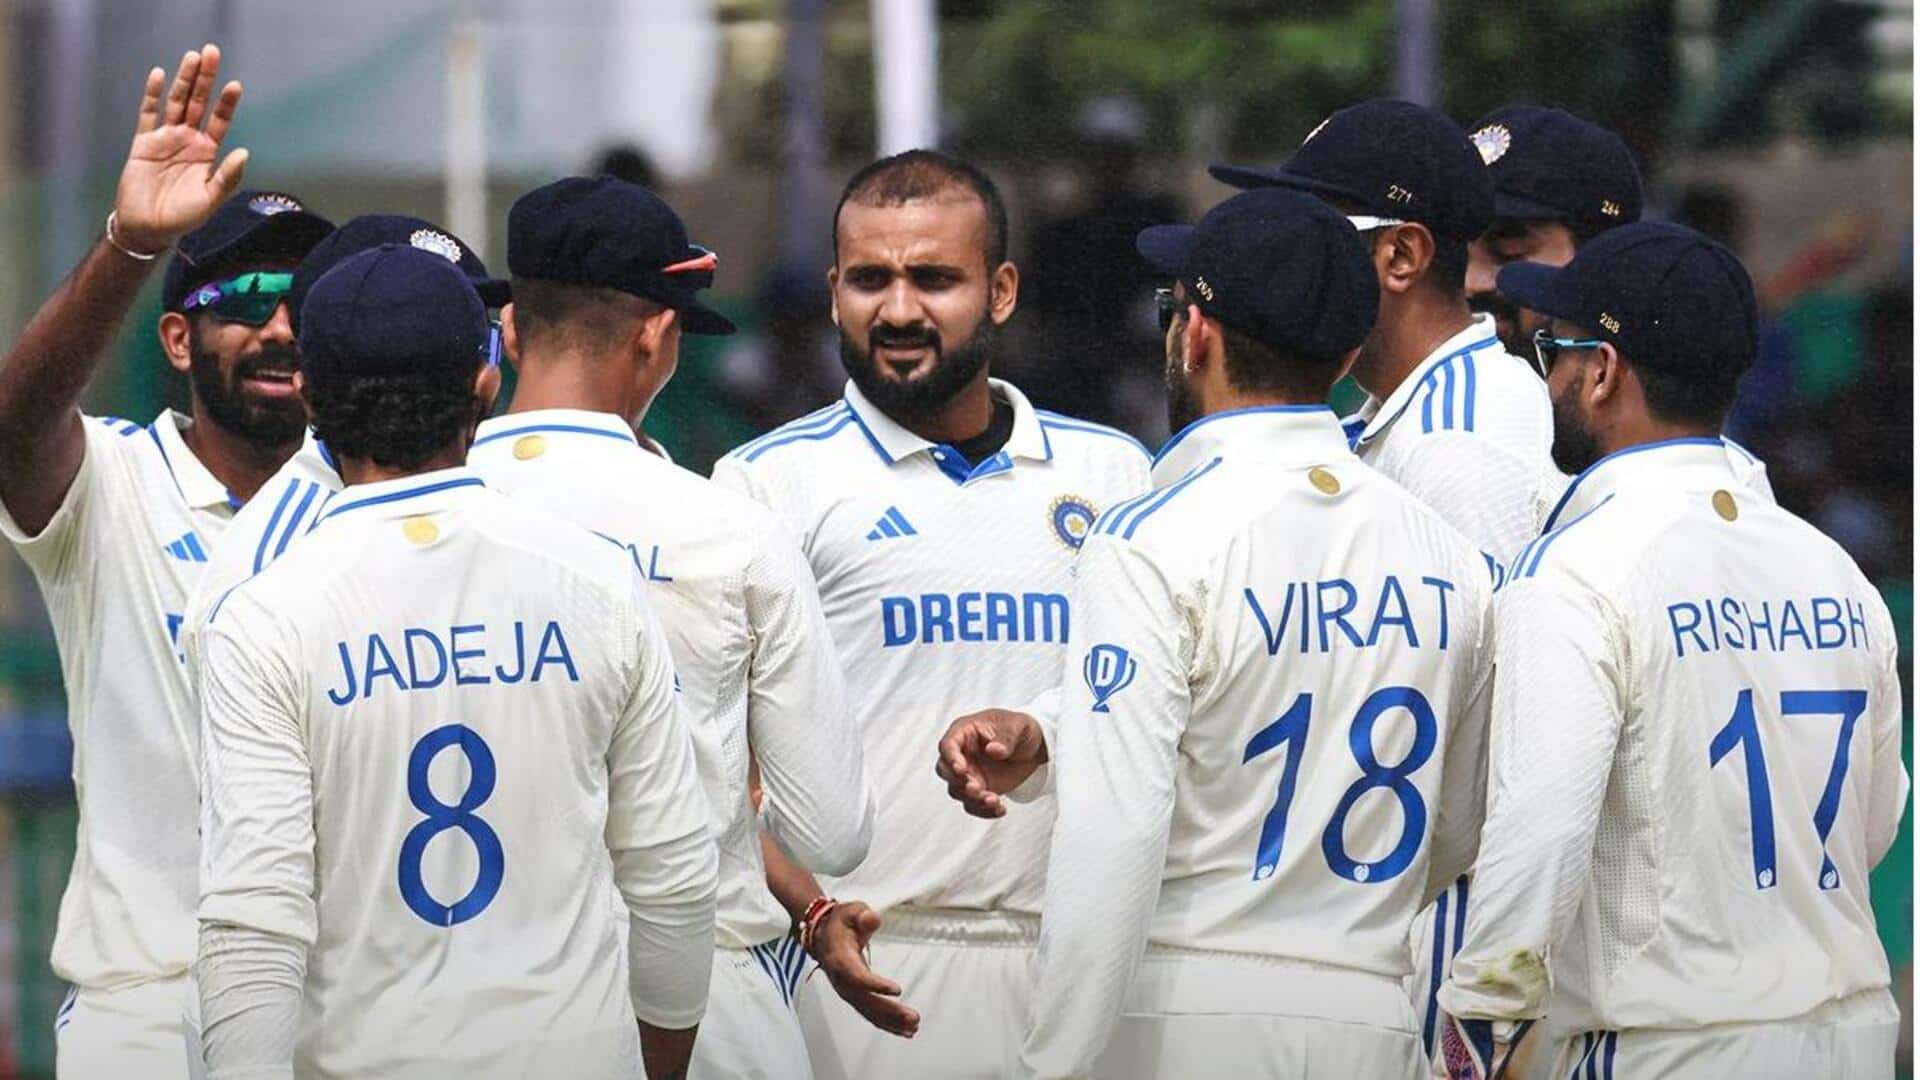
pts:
[1109, 669]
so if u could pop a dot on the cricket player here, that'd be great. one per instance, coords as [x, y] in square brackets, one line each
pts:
[1450, 415]
[604, 284]
[1697, 719]
[116, 521]
[298, 493]
[442, 745]
[940, 513]
[1273, 617]
[1558, 182]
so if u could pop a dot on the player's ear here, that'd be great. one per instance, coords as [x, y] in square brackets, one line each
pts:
[486, 387]
[1402, 256]
[1003, 292]
[833, 291]
[1198, 335]
[1605, 376]
[509, 336]
[176, 340]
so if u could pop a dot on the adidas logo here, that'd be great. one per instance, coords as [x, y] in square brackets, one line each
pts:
[892, 524]
[187, 549]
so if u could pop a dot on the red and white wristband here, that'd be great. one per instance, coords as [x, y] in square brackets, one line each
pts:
[809, 923]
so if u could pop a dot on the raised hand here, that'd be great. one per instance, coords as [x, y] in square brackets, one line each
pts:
[171, 182]
[986, 754]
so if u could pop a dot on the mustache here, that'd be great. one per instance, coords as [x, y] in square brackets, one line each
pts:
[903, 337]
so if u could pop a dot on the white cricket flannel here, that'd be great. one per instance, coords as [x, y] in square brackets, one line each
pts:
[751, 647]
[115, 564]
[1695, 761]
[1272, 735]
[441, 749]
[287, 506]
[1470, 433]
[946, 586]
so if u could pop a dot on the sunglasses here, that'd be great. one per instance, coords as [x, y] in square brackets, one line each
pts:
[249, 298]
[1547, 348]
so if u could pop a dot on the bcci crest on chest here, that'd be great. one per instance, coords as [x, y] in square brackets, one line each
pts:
[1108, 670]
[1072, 519]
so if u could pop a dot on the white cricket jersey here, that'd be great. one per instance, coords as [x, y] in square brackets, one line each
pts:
[1696, 761]
[1273, 721]
[426, 727]
[286, 507]
[756, 662]
[116, 564]
[1470, 433]
[946, 587]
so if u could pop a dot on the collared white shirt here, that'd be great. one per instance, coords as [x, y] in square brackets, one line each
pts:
[755, 659]
[1272, 727]
[286, 507]
[1470, 433]
[115, 564]
[441, 744]
[1696, 760]
[946, 586]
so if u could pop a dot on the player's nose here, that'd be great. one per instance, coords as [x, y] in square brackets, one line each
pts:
[900, 304]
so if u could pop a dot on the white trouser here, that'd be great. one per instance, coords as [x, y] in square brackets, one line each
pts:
[1193, 1014]
[126, 1031]
[1850, 1039]
[750, 1031]
[970, 976]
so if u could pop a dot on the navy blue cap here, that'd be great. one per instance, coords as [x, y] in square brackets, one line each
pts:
[1390, 159]
[369, 231]
[252, 225]
[1668, 297]
[1279, 266]
[1550, 165]
[392, 310]
[605, 233]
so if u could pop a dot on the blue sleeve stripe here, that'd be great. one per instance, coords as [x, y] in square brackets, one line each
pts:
[1110, 520]
[1467, 411]
[1540, 546]
[813, 435]
[266, 535]
[1426, 403]
[1436, 971]
[1167, 496]
[813, 421]
[1459, 917]
[1446, 395]
[293, 523]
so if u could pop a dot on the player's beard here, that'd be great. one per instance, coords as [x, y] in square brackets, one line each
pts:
[1574, 447]
[261, 422]
[1183, 407]
[925, 395]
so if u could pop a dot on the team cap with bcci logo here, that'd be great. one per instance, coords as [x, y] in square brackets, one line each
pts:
[1281, 267]
[1391, 159]
[393, 310]
[1550, 165]
[605, 233]
[1666, 296]
[250, 225]
[369, 231]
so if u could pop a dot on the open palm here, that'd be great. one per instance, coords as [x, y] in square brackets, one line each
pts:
[174, 177]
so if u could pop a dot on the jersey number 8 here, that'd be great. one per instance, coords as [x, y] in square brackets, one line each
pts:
[441, 817]
[1292, 727]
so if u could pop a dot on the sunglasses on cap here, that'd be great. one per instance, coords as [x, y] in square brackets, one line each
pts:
[249, 298]
[1547, 348]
